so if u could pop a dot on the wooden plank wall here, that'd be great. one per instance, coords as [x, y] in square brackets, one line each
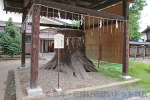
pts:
[104, 43]
[117, 9]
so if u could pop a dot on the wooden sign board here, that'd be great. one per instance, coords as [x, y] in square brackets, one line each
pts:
[58, 41]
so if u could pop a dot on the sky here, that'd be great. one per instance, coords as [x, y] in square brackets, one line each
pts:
[145, 17]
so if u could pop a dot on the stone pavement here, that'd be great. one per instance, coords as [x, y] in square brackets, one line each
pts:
[3, 78]
[146, 60]
[5, 67]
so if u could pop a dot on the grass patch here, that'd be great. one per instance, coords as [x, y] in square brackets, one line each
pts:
[141, 71]
[110, 69]
[136, 69]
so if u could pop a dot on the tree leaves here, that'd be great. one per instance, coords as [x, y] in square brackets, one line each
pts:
[11, 29]
[134, 16]
[10, 39]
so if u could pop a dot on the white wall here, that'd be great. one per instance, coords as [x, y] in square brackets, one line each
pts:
[1, 29]
[4, 17]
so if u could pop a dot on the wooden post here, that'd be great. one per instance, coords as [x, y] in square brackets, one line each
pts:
[35, 44]
[144, 52]
[42, 47]
[135, 52]
[91, 52]
[99, 54]
[39, 45]
[23, 39]
[125, 39]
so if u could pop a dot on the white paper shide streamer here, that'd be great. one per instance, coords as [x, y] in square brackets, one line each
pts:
[82, 19]
[59, 14]
[116, 24]
[100, 23]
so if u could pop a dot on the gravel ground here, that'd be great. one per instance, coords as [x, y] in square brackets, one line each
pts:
[48, 81]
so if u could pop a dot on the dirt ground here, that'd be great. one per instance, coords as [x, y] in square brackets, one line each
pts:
[8, 64]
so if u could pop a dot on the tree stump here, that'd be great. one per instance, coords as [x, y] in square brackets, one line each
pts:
[73, 59]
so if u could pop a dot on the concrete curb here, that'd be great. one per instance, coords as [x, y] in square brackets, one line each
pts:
[70, 93]
[107, 86]
[19, 95]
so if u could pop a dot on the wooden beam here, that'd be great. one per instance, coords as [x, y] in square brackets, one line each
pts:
[80, 10]
[4, 4]
[25, 3]
[13, 4]
[83, 3]
[97, 3]
[131, 1]
[59, 26]
[35, 46]
[125, 56]
[23, 39]
[106, 4]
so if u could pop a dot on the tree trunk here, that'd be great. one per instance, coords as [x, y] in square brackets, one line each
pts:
[73, 60]
[12, 57]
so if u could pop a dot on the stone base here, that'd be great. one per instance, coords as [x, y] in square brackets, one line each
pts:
[126, 77]
[36, 91]
[58, 89]
[20, 67]
[41, 57]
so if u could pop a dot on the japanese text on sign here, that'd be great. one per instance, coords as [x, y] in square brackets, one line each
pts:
[58, 40]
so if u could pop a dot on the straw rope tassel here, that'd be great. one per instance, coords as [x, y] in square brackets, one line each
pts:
[47, 12]
[84, 24]
[120, 29]
[65, 17]
[78, 21]
[103, 24]
[53, 13]
[72, 19]
[98, 24]
[111, 26]
[107, 25]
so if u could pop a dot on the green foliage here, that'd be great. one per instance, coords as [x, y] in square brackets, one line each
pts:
[1, 34]
[11, 28]
[10, 39]
[76, 23]
[134, 16]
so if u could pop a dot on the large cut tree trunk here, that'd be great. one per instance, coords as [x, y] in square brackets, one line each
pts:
[73, 60]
